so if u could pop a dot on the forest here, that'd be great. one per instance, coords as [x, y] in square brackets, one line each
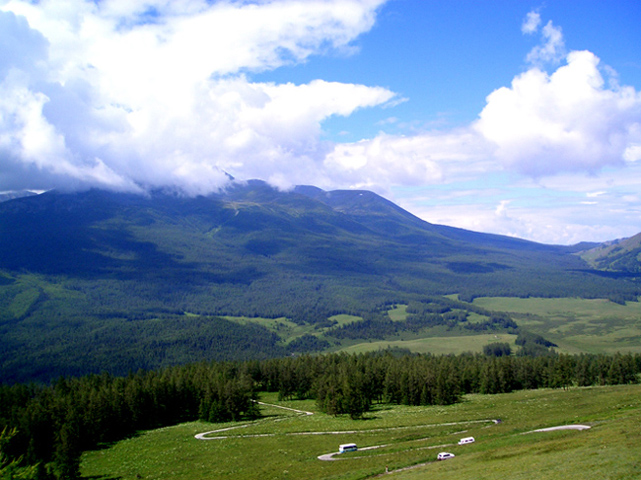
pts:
[45, 428]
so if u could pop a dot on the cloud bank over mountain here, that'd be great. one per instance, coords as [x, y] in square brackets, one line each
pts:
[133, 95]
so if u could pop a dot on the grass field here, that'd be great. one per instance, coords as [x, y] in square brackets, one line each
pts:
[436, 345]
[286, 445]
[576, 325]
[436, 341]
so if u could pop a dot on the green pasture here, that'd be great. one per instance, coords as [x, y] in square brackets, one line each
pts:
[434, 340]
[576, 325]
[280, 324]
[436, 345]
[344, 319]
[285, 445]
[398, 313]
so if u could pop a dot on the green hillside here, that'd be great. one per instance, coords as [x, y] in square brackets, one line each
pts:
[622, 256]
[100, 280]
[409, 439]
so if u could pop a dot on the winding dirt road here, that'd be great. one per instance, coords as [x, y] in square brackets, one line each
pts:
[331, 456]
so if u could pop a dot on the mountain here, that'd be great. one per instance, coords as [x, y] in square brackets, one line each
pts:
[98, 279]
[623, 256]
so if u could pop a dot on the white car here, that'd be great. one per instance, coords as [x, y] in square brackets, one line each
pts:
[444, 456]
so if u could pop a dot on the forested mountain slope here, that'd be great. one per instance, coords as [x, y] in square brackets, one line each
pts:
[622, 256]
[100, 278]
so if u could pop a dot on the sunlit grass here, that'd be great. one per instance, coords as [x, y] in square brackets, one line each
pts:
[436, 345]
[412, 435]
[576, 325]
[398, 313]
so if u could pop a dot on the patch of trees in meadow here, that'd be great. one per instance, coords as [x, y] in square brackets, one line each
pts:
[422, 315]
[46, 427]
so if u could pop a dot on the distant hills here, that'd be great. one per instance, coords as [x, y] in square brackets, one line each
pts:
[622, 255]
[101, 278]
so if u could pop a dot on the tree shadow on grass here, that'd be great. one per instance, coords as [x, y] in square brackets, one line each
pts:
[108, 445]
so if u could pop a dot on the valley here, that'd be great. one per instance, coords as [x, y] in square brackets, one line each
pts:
[96, 281]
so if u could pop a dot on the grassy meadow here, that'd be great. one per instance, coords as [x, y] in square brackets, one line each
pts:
[576, 325]
[285, 445]
[436, 345]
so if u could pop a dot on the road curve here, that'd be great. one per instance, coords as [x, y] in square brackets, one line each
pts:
[302, 412]
[329, 457]
[205, 435]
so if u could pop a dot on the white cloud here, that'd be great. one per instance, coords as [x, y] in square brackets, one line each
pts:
[531, 23]
[138, 94]
[595, 194]
[501, 209]
[633, 152]
[568, 121]
[552, 50]
[124, 93]
[389, 160]
[543, 124]
[535, 212]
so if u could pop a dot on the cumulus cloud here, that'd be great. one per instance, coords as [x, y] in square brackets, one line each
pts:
[560, 129]
[567, 121]
[573, 119]
[570, 120]
[543, 124]
[133, 94]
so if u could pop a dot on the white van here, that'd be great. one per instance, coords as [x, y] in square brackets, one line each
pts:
[444, 456]
[465, 441]
[347, 447]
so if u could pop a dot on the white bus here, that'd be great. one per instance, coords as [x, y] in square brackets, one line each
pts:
[464, 441]
[347, 447]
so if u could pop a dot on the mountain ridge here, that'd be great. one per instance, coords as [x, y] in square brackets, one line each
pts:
[80, 270]
[623, 255]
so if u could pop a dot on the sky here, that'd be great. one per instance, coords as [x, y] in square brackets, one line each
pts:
[510, 117]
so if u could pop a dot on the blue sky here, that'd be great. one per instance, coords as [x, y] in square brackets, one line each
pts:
[511, 117]
[446, 57]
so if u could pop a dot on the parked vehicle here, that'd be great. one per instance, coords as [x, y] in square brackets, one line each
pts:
[466, 440]
[444, 456]
[347, 447]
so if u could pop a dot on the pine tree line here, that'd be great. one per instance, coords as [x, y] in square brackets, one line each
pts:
[54, 424]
